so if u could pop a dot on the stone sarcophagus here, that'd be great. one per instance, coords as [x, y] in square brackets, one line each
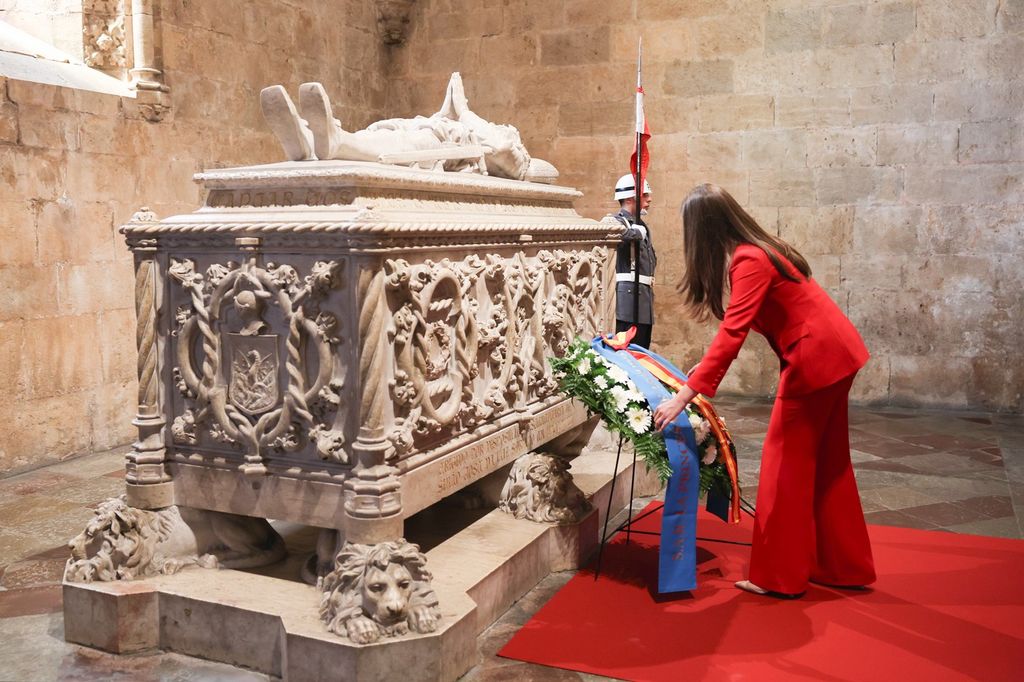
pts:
[341, 344]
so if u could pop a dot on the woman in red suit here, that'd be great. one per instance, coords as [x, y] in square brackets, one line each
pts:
[809, 524]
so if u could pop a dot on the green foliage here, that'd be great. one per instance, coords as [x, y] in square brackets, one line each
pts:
[607, 391]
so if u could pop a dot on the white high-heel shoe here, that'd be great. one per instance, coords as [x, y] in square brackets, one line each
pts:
[748, 586]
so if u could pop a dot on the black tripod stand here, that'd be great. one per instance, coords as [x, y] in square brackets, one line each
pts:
[628, 523]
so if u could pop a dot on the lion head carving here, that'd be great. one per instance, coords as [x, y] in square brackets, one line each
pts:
[540, 488]
[123, 543]
[379, 590]
[117, 544]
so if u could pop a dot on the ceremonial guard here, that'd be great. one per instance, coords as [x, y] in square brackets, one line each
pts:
[635, 263]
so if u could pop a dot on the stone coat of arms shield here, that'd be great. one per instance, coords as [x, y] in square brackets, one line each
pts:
[253, 367]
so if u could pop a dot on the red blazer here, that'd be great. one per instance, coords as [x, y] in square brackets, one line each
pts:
[816, 344]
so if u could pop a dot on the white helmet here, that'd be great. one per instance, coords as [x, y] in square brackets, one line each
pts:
[625, 188]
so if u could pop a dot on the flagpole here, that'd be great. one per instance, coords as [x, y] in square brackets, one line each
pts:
[637, 200]
[637, 182]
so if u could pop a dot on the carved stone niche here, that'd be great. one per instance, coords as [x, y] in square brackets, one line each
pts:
[342, 344]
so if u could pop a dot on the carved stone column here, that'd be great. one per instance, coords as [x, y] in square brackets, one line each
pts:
[146, 475]
[147, 78]
[373, 501]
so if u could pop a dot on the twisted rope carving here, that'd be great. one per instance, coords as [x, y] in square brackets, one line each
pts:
[145, 336]
[465, 355]
[296, 378]
[190, 280]
[235, 424]
[371, 355]
[239, 427]
[132, 230]
[440, 304]
[211, 345]
[442, 274]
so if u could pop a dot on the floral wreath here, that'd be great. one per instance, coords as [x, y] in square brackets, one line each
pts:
[606, 390]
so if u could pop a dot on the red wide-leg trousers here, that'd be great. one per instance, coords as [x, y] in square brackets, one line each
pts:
[809, 523]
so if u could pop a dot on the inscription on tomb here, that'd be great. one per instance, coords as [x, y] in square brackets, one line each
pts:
[478, 459]
[484, 456]
[272, 197]
[551, 424]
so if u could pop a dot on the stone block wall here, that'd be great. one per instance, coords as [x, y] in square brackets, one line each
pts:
[884, 139]
[75, 165]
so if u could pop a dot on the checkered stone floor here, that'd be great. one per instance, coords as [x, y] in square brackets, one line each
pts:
[951, 471]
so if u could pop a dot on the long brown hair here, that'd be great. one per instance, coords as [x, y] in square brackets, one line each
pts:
[714, 224]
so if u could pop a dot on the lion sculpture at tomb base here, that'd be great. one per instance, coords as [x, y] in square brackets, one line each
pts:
[380, 590]
[540, 488]
[123, 543]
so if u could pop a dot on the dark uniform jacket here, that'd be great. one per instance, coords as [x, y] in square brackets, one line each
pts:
[623, 269]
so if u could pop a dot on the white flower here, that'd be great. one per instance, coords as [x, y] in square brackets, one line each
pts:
[601, 382]
[701, 427]
[620, 396]
[635, 395]
[710, 455]
[618, 374]
[639, 419]
[601, 361]
[583, 366]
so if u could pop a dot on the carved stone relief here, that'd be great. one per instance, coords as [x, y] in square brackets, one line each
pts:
[104, 42]
[540, 488]
[380, 590]
[247, 382]
[124, 543]
[470, 338]
[393, 20]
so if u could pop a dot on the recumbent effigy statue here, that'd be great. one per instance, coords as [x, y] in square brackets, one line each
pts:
[454, 138]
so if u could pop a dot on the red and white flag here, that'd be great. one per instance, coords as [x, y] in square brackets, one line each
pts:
[643, 132]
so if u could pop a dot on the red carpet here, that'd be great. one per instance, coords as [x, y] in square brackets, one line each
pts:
[945, 607]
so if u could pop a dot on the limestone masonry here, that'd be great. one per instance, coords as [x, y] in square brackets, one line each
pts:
[885, 140]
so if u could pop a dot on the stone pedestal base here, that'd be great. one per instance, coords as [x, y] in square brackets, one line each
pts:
[150, 496]
[272, 625]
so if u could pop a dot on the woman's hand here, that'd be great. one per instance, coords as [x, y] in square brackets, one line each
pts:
[670, 409]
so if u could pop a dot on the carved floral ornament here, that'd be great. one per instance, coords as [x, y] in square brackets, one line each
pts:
[252, 389]
[104, 42]
[470, 338]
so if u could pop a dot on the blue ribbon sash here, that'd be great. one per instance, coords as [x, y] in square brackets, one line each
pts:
[677, 557]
